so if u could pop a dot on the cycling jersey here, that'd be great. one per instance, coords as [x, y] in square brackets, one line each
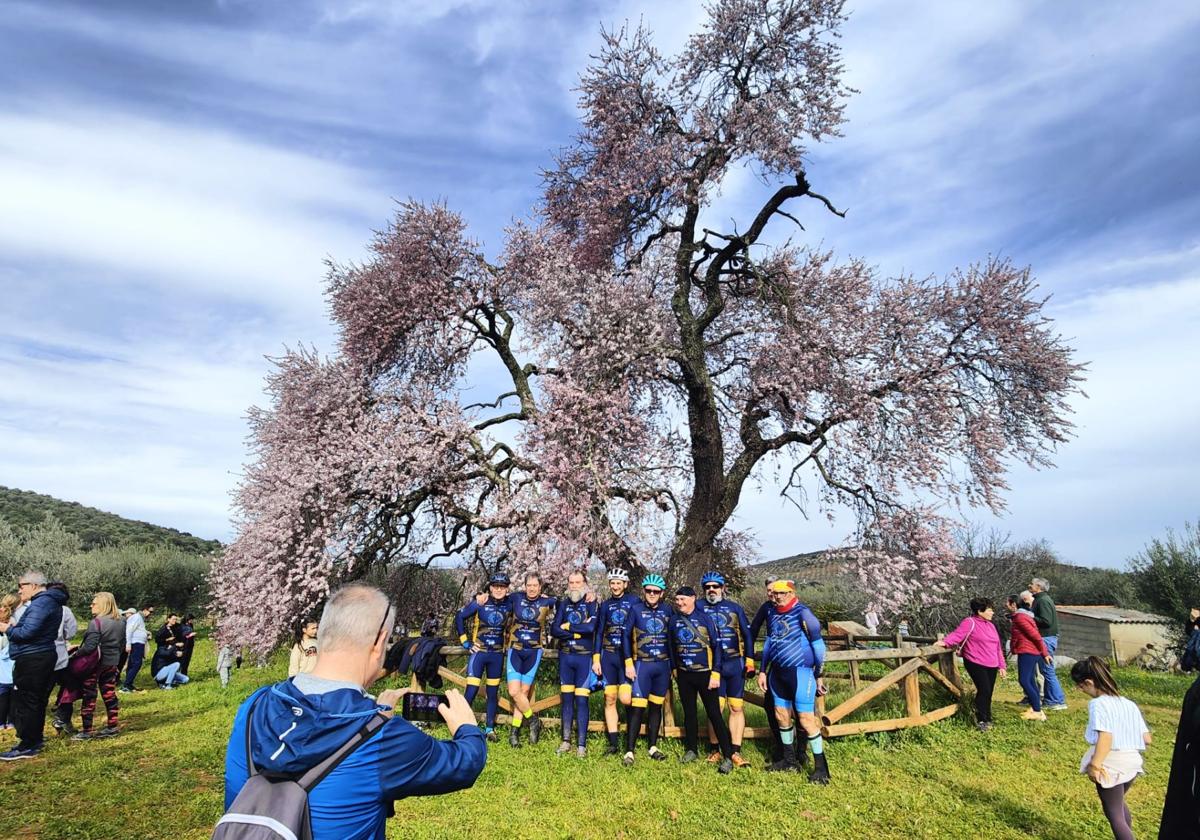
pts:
[645, 636]
[580, 619]
[530, 618]
[610, 623]
[733, 630]
[484, 625]
[693, 642]
[794, 638]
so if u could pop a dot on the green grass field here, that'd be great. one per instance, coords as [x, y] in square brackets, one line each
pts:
[163, 778]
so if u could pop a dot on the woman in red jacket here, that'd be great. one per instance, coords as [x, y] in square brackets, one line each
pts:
[1027, 645]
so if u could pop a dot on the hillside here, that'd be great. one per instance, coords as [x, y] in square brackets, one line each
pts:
[22, 508]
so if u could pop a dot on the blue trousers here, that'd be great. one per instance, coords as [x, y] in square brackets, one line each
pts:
[1027, 669]
[137, 654]
[1052, 693]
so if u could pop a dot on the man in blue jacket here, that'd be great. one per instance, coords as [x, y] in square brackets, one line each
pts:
[31, 646]
[299, 722]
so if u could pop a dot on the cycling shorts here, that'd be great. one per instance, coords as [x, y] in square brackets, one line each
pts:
[793, 687]
[522, 665]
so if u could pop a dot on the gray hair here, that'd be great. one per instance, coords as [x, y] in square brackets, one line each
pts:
[1026, 596]
[533, 576]
[352, 618]
[35, 577]
[1042, 583]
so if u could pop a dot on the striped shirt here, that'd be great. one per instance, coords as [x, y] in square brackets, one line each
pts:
[1121, 717]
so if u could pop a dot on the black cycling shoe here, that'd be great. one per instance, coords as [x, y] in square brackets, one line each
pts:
[657, 754]
[725, 767]
[820, 773]
[782, 766]
[688, 757]
[535, 729]
[514, 737]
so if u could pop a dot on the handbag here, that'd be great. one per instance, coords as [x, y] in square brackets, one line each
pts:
[83, 665]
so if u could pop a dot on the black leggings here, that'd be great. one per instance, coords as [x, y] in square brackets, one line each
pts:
[1115, 809]
[985, 683]
[691, 684]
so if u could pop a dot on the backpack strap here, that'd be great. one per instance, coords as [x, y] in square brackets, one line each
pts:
[314, 775]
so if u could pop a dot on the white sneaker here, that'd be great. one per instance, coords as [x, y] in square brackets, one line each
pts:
[1057, 707]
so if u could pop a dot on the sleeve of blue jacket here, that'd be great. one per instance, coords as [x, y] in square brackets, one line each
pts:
[588, 627]
[41, 618]
[760, 618]
[598, 633]
[812, 627]
[412, 763]
[460, 620]
[559, 618]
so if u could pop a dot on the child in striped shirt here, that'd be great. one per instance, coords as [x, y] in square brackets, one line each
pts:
[1117, 735]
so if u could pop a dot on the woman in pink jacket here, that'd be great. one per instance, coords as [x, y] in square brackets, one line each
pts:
[978, 643]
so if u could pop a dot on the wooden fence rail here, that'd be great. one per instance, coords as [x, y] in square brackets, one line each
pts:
[910, 658]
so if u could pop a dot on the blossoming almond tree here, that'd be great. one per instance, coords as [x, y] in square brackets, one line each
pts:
[651, 365]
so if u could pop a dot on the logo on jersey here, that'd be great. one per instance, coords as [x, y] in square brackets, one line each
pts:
[618, 616]
[575, 616]
[528, 613]
[493, 618]
[684, 634]
[655, 625]
[780, 629]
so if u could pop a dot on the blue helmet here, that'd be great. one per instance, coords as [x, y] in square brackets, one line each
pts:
[654, 580]
[713, 577]
[498, 579]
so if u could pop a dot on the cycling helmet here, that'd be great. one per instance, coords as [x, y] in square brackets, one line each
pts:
[713, 577]
[498, 579]
[654, 580]
[618, 574]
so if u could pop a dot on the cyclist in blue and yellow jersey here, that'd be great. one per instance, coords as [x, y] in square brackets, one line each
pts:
[793, 657]
[737, 656]
[648, 664]
[481, 629]
[696, 659]
[575, 625]
[756, 624]
[608, 661]
[531, 615]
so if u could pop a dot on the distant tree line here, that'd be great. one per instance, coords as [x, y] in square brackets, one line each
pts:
[94, 528]
[136, 573]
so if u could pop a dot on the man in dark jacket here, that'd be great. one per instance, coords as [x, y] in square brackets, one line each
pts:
[31, 646]
[296, 723]
[1046, 616]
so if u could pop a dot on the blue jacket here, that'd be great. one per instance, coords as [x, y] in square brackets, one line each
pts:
[693, 641]
[38, 628]
[580, 619]
[733, 628]
[292, 731]
[645, 636]
[793, 639]
[610, 624]
[485, 626]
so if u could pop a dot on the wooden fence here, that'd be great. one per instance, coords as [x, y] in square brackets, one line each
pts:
[910, 659]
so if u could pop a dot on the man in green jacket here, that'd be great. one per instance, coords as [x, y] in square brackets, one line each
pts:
[1046, 617]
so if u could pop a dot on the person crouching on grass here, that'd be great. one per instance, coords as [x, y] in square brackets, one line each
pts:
[1117, 734]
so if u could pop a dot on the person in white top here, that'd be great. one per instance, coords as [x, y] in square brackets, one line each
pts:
[1117, 735]
[136, 638]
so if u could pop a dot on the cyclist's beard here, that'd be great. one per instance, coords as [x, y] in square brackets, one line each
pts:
[575, 595]
[713, 597]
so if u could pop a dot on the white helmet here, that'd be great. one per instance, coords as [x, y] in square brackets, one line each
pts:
[618, 574]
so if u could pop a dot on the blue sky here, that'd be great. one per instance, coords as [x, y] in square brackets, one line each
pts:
[174, 174]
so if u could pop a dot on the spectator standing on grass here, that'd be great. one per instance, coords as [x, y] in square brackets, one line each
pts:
[304, 653]
[31, 645]
[1117, 735]
[187, 632]
[295, 723]
[225, 660]
[1046, 616]
[1181, 809]
[107, 632]
[1027, 645]
[7, 604]
[978, 643]
[67, 629]
[136, 637]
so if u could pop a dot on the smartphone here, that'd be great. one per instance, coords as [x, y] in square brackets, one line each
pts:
[422, 707]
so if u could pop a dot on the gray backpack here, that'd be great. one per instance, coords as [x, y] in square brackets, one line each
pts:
[274, 807]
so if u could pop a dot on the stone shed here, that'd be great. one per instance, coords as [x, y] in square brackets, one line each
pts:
[1110, 632]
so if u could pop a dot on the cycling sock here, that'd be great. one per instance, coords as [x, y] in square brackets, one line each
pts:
[817, 743]
[567, 712]
[517, 717]
[636, 713]
[653, 723]
[787, 736]
[581, 717]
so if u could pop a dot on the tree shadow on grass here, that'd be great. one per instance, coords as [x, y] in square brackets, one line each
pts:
[1017, 814]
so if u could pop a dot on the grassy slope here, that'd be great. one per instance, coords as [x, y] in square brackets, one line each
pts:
[162, 778]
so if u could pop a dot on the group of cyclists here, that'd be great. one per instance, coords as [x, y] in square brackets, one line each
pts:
[631, 648]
